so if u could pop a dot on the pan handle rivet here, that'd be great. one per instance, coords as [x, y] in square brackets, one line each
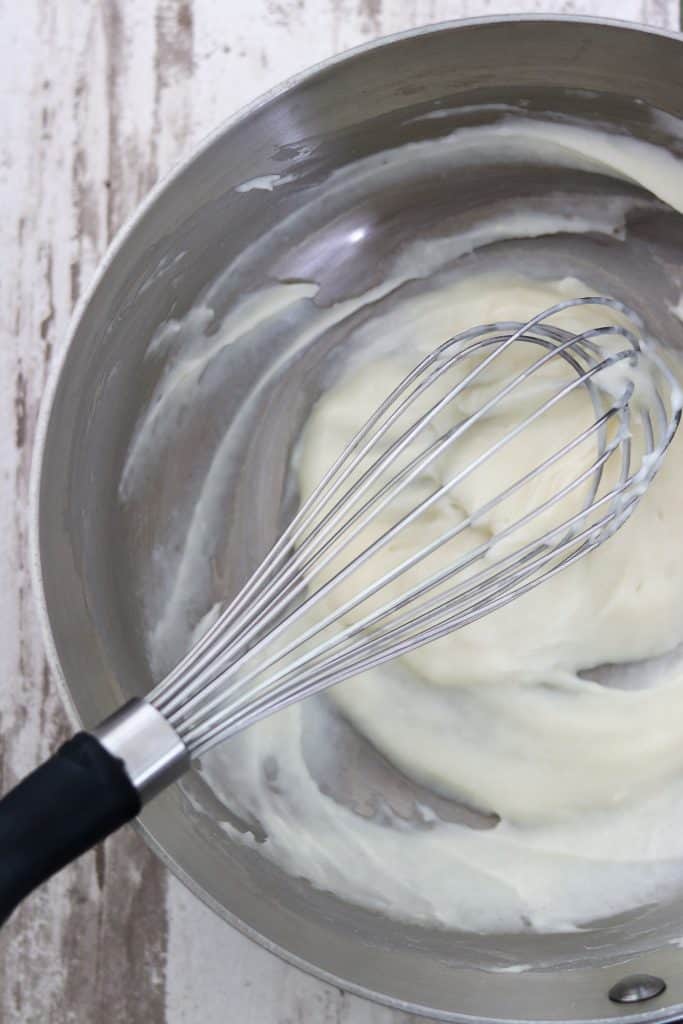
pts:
[636, 988]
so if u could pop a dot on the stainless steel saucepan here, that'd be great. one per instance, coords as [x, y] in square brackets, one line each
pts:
[92, 553]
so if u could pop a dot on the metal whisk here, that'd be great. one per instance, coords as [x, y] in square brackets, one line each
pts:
[270, 648]
[301, 624]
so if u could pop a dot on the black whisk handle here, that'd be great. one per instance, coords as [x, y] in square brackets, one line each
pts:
[71, 802]
[94, 784]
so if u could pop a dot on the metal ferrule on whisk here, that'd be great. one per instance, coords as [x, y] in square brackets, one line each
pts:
[153, 754]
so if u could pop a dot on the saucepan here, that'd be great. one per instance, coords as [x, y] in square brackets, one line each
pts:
[92, 553]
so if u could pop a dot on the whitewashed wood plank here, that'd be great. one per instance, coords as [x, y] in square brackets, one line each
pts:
[75, 158]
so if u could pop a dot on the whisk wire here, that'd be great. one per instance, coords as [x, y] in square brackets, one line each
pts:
[208, 686]
[336, 475]
[479, 585]
[267, 649]
[324, 556]
[295, 574]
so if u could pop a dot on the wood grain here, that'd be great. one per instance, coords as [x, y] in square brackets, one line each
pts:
[100, 98]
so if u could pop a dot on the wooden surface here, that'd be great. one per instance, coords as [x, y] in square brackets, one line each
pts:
[98, 99]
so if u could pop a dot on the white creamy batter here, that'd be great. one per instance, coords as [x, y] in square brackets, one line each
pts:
[586, 779]
[519, 702]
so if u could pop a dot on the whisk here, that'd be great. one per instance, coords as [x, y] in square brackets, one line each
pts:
[315, 612]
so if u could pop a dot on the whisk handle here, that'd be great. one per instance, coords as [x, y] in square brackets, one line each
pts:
[76, 798]
[95, 783]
